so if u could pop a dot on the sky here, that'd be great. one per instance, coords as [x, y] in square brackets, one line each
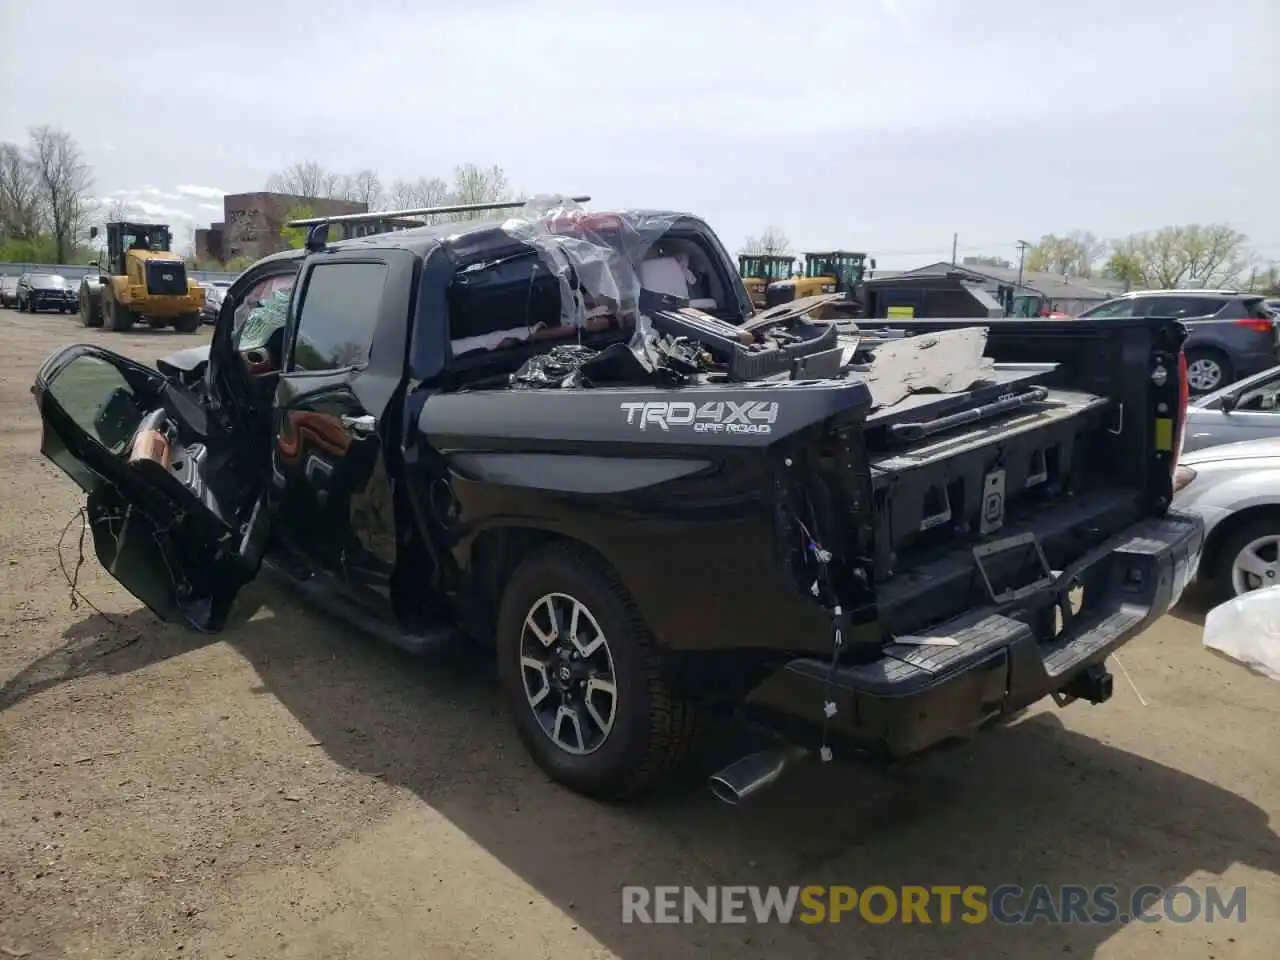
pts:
[878, 125]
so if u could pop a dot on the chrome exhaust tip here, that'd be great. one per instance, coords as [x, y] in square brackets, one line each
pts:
[753, 773]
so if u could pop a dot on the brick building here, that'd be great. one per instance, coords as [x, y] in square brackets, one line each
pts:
[252, 222]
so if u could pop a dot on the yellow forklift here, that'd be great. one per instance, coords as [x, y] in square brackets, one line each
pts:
[838, 271]
[760, 270]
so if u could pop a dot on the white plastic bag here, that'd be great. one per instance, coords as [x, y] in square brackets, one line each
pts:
[1247, 629]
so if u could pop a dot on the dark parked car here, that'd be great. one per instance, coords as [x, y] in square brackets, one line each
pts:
[519, 432]
[8, 291]
[45, 291]
[1229, 335]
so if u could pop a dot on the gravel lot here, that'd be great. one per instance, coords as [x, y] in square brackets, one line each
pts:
[290, 789]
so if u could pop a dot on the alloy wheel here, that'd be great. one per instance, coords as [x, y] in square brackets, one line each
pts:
[568, 673]
[1204, 374]
[1257, 565]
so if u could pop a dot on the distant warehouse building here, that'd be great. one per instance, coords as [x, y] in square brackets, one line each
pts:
[252, 223]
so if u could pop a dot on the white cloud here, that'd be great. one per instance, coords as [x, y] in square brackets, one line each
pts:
[193, 190]
[160, 210]
[215, 207]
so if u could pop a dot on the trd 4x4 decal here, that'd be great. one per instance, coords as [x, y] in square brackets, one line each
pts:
[716, 416]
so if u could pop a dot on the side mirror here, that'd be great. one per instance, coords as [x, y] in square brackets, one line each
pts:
[1228, 402]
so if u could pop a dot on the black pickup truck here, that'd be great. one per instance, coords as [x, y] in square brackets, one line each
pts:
[568, 434]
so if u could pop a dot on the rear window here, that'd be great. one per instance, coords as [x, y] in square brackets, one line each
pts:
[1113, 308]
[1179, 307]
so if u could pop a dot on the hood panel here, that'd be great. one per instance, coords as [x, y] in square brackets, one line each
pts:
[1268, 448]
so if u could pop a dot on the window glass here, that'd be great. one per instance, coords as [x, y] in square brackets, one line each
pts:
[338, 315]
[262, 311]
[1263, 396]
[96, 396]
[1179, 307]
[1113, 308]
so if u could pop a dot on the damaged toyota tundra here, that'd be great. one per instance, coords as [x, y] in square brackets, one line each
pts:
[569, 435]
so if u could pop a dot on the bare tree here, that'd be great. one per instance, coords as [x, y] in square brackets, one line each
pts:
[308, 179]
[773, 242]
[64, 180]
[475, 184]
[1073, 255]
[416, 194]
[20, 206]
[363, 186]
[1212, 255]
[117, 209]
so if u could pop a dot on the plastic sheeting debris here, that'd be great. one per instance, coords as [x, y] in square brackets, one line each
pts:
[1247, 629]
[596, 259]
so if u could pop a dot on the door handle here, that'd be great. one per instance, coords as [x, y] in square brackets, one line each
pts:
[363, 424]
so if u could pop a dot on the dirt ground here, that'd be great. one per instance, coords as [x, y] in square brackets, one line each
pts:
[291, 789]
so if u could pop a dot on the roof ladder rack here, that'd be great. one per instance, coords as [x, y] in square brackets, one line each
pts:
[318, 235]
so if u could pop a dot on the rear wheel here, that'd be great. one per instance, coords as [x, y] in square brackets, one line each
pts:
[187, 323]
[581, 676]
[1207, 370]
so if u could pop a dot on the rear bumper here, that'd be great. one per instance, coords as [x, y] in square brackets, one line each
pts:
[919, 696]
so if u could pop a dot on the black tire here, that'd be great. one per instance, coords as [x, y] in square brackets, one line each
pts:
[187, 323]
[116, 317]
[1199, 361]
[652, 731]
[1224, 563]
[90, 313]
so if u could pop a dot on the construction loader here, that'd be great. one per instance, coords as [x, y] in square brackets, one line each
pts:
[759, 270]
[838, 271]
[139, 279]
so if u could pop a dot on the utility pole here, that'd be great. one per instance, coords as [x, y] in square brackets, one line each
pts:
[1022, 255]
[955, 238]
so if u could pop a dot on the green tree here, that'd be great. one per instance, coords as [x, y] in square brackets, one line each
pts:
[1208, 255]
[1073, 255]
[296, 237]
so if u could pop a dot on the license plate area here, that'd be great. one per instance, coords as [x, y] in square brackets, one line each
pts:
[1013, 567]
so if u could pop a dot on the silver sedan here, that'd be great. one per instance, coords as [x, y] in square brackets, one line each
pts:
[1248, 409]
[1235, 489]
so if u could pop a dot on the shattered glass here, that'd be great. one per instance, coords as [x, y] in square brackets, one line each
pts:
[263, 320]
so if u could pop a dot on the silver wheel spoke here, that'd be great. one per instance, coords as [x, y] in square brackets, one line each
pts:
[568, 718]
[604, 687]
[1250, 562]
[540, 668]
[546, 639]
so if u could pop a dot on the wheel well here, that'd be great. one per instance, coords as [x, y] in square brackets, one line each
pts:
[1227, 528]
[497, 552]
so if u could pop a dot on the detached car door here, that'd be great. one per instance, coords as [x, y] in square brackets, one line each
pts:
[336, 433]
[175, 495]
